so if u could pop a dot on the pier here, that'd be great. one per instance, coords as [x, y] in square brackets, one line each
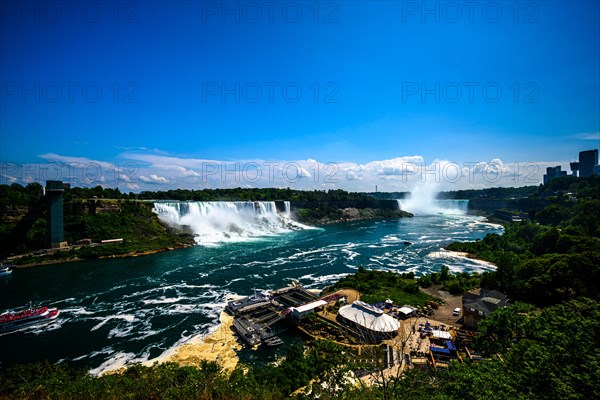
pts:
[255, 315]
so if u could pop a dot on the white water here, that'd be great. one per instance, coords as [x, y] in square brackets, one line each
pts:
[422, 201]
[288, 210]
[148, 307]
[215, 222]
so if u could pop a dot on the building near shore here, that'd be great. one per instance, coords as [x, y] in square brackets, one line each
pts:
[477, 306]
[368, 322]
[305, 310]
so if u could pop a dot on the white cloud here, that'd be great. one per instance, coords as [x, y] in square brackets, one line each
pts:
[137, 171]
[177, 170]
[352, 175]
[9, 178]
[82, 162]
[588, 136]
[153, 178]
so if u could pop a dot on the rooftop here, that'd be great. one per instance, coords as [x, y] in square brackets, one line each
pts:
[369, 317]
[310, 306]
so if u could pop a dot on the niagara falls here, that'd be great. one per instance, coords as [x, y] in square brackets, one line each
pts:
[137, 314]
[299, 200]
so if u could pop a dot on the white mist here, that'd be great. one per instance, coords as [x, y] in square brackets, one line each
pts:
[422, 201]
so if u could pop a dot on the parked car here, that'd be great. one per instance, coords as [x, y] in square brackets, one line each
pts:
[456, 311]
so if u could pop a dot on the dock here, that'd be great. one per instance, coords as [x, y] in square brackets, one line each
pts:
[255, 315]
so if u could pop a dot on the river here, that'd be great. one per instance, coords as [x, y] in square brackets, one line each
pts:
[115, 311]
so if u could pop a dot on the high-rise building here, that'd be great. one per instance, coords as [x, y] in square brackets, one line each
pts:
[587, 161]
[574, 168]
[553, 173]
[54, 201]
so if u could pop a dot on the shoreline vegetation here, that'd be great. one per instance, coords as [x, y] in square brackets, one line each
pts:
[68, 259]
[92, 215]
[331, 215]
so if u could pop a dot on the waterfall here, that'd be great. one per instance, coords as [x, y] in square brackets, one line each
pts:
[227, 221]
[433, 207]
[422, 201]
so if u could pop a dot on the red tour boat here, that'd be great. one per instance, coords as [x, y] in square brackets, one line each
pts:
[17, 319]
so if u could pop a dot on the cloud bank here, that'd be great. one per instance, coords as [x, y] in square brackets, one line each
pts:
[138, 171]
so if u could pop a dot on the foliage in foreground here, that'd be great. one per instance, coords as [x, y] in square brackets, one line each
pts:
[170, 381]
[550, 354]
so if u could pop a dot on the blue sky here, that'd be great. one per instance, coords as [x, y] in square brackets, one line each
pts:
[165, 86]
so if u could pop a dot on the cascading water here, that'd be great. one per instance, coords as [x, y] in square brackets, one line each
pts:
[287, 209]
[227, 221]
[422, 201]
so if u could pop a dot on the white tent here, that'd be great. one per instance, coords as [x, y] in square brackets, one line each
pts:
[369, 317]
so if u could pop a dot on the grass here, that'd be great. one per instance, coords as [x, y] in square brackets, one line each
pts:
[376, 286]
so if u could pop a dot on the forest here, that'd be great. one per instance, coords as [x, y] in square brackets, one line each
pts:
[23, 226]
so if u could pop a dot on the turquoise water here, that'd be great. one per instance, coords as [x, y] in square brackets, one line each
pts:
[134, 309]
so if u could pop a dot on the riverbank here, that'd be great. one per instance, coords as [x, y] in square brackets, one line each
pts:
[68, 259]
[326, 215]
[445, 253]
[220, 346]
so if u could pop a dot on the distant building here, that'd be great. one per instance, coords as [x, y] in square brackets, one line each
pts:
[368, 322]
[587, 161]
[574, 169]
[54, 191]
[477, 306]
[553, 173]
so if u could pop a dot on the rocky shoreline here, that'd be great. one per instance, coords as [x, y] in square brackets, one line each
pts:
[319, 217]
[123, 255]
